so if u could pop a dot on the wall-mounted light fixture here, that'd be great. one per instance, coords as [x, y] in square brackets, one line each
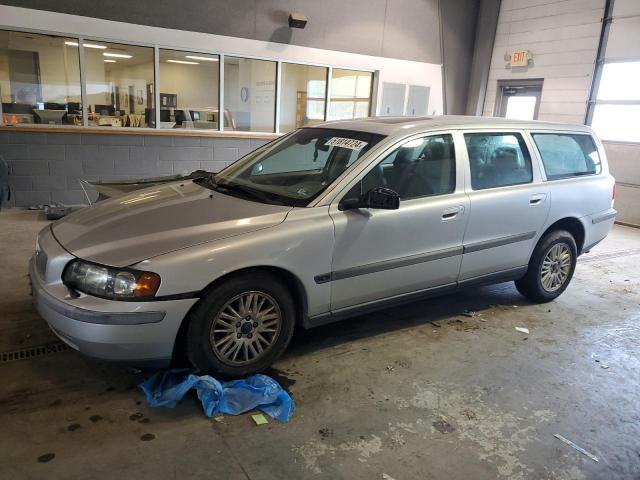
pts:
[297, 20]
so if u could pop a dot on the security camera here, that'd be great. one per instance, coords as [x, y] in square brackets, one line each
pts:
[297, 20]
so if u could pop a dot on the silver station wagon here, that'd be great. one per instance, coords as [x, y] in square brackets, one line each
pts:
[321, 224]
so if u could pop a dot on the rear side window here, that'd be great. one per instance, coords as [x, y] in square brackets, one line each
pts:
[498, 160]
[567, 155]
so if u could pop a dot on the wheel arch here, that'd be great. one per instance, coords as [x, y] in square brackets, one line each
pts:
[571, 224]
[292, 282]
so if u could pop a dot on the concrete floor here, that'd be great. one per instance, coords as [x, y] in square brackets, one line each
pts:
[413, 392]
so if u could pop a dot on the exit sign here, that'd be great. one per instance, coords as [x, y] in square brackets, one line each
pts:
[520, 58]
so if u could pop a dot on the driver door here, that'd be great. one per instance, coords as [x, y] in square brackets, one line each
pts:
[381, 254]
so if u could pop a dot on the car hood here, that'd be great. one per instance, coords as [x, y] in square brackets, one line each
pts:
[134, 227]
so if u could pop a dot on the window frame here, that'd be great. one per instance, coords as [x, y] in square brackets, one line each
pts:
[528, 149]
[81, 39]
[380, 156]
[554, 178]
[602, 59]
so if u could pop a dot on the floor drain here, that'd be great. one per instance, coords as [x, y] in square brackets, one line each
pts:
[33, 352]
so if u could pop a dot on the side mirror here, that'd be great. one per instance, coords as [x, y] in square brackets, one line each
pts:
[378, 197]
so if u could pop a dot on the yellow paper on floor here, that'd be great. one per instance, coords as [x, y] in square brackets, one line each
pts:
[260, 419]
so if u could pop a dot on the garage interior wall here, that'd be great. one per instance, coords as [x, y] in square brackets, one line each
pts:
[46, 166]
[563, 37]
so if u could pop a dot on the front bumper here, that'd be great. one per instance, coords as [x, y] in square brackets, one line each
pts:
[138, 333]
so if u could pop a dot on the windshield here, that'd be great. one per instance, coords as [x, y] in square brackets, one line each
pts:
[295, 169]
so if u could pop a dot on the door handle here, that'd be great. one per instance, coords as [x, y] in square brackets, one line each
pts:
[537, 199]
[451, 213]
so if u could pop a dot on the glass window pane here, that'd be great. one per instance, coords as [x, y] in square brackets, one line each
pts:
[617, 122]
[419, 168]
[303, 96]
[521, 107]
[250, 94]
[297, 168]
[350, 94]
[119, 84]
[620, 81]
[497, 160]
[565, 155]
[188, 90]
[39, 79]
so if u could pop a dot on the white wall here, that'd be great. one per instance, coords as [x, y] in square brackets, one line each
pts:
[563, 36]
[390, 69]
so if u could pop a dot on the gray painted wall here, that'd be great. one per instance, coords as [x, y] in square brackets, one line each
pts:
[459, 18]
[405, 29]
[45, 167]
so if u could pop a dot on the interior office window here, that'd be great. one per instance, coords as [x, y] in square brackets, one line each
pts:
[350, 94]
[303, 93]
[189, 90]
[250, 94]
[617, 109]
[565, 155]
[498, 159]
[39, 79]
[419, 168]
[120, 83]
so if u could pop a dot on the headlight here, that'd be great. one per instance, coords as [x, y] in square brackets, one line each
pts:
[109, 282]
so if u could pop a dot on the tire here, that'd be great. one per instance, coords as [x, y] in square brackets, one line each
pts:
[254, 318]
[554, 251]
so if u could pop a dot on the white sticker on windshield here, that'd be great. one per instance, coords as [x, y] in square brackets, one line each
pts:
[349, 143]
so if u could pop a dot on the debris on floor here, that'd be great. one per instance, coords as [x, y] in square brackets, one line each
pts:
[443, 426]
[167, 388]
[469, 313]
[522, 329]
[576, 447]
[259, 419]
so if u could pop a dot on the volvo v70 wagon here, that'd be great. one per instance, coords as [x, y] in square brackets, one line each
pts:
[321, 224]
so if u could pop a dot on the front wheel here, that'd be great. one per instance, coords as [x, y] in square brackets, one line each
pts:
[242, 326]
[551, 267]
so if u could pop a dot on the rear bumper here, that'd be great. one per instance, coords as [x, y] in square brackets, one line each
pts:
[137, 333]
[598, 227]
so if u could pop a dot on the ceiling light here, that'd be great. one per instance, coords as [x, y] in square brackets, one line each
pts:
[109, 61]
[116, 55]
[183, 62]
[87, 45]
[206, 59]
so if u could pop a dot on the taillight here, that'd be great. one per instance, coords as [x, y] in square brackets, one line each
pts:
[613, 193]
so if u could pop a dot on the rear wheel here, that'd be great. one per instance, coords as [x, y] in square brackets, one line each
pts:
[242, 326]
[551, 267]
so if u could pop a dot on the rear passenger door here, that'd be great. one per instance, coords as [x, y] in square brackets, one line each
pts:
[509, 203]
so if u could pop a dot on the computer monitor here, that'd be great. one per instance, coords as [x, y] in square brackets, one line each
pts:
[165, 115]
[74, 107]
[54, 106]
[16, 108]
[195, 116]
[104, 109]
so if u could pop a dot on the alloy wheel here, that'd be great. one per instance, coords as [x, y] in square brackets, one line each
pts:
[245, 328]
[556, 266]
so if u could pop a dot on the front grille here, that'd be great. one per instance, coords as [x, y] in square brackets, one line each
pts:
[41, 262]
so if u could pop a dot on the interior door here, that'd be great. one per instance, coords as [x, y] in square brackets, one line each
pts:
[509, 203]
[519, 99]
[385, 253]
[392, 99]
[418, 100]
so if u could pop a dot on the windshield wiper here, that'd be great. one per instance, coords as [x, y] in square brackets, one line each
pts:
[260, 196]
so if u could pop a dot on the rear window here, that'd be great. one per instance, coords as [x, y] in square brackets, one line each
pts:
[567, 155]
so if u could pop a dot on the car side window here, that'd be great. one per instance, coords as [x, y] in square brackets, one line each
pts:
[498, 160]
[567, 155]
[420, 167]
